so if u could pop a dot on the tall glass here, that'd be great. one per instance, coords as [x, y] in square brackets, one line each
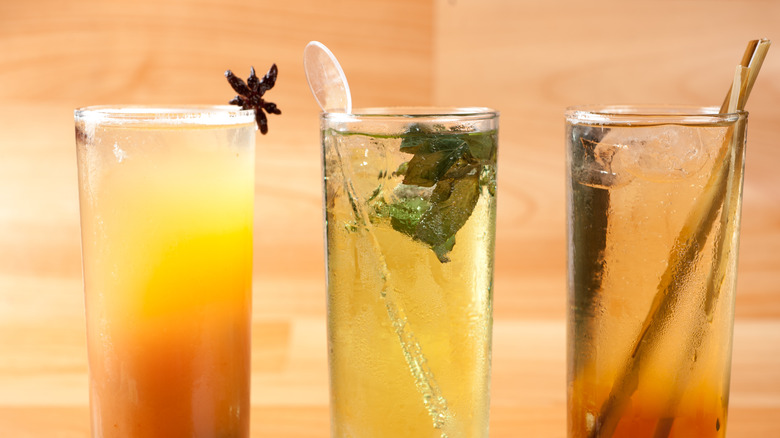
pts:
[654, 196]
[166, 199]
[410, 204]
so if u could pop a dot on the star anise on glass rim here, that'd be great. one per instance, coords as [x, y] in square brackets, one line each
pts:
[250, 94]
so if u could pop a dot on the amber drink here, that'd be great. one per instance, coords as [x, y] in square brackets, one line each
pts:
[166, 199]
[654, 198]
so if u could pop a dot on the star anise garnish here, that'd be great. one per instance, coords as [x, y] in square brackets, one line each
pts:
[250, 94]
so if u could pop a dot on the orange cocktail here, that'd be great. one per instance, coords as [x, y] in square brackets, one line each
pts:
[166, 216]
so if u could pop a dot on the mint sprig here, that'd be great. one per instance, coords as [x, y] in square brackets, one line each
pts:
[452, 163]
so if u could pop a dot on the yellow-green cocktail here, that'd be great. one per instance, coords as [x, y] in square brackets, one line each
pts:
[410, 199]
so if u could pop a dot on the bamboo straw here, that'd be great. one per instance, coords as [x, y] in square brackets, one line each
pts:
[755, 66]
[753, 58]
[744, 78]
[722, 248]
[688, 244]
[746, 57]
[740, 74]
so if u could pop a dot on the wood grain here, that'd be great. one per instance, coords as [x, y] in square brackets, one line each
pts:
[528, 59]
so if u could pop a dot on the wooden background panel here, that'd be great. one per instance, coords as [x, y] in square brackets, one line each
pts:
[57, 56]
[534, 59]
[61, 55]
[528, 59]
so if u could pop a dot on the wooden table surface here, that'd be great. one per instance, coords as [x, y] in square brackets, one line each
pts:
[528, 59]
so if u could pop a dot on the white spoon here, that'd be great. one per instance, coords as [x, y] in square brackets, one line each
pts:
[326, 79]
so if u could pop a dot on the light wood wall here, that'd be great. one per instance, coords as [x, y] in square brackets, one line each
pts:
[529, 59]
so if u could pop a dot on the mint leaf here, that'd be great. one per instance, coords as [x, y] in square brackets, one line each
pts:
[482, 146]
[427, 167]
[434, 154]
[415, 138]
[404, 215]
[452, 203]
[443, 249]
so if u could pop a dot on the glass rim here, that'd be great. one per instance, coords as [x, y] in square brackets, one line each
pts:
[165, 114]
[650, 115]
[412, 112]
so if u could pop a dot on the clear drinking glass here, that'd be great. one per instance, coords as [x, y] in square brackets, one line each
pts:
[166, 198]
[654, 196]
[410, 204]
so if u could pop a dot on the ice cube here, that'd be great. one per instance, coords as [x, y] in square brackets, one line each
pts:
[601, 162]
[663, 153]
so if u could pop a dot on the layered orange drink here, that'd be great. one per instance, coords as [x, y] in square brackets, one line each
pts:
[166, 200]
